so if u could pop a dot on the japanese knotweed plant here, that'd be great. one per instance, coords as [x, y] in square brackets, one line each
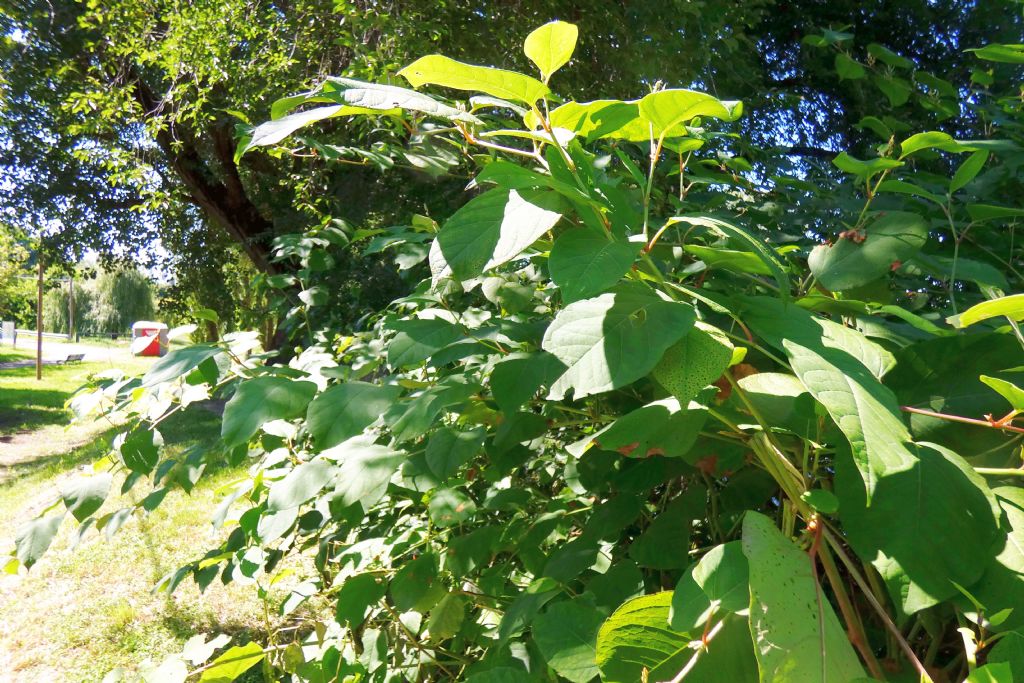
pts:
[622, 429]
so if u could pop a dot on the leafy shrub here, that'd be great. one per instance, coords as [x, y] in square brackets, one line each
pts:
[638, 423]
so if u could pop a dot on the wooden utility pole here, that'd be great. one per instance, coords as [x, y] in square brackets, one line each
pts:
[39, 321]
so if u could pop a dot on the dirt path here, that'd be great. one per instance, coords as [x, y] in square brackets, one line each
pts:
[30, 448]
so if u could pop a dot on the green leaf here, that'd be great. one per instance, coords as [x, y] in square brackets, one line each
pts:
[989, 212]
[85, 495]
[947, 521]
[864, 169]
[1002, 584]
[865, 411]
[848, 68]
[374, 98]
[694, 362]
[495, 228]
[34, 537]
[887, 56]
[233, 663]
[178, 363]
[345, 410]
[446, 618]
[364, 470]
[301, 484]
[417, 586]
[669, 110]
[419, 339]
[273, 132]
[440, 70]
[756, 246]
[796, 634]
[613, 340]
[566, 634]
[723, 576]
[822, 500]
[930, 140]
[584, 262]
[637, 637]
[729, 259]
[776, 321]
[501, 674]
[597, 119]
[1009, 650]
[140, 449]
[665, 543]
[357, 595]
[1011, 392]
[448, 449]
[516, 379]
[260, 400]
[995, 52]
[968, 170]
[1010, 306]
[991, 673]
[896, 90]
[551, 46]
[903, 187]
[449, 507]
[894, 237]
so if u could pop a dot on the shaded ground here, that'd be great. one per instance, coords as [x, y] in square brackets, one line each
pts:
[82, 611]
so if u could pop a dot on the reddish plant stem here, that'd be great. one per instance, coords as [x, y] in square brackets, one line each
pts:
[966, 420]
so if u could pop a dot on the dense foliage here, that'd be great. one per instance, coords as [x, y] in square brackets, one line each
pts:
[107, 303]
[653, 413]
[117, 117]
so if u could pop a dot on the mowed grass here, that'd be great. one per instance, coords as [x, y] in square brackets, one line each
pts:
[28, 404]
[82, 611]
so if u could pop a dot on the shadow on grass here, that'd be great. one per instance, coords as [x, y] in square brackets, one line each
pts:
[178, 430]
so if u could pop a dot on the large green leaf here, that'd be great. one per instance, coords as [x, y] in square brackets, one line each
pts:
[273, 132]
[1002, 584]
[1008, 390]
[996, 52]
[613, 340]
[85, 495]
[776, 321]
[865, 410]
[418, 339]
[930, 140]
[694, 362]
[637, 638]
[260, 400]
[597, 119]
[551, 46]
[942, 375]
[345, 410]
[864, 169]
[894, 237]
[566, 634]
[232, 664]
[376, 98]
[797, 637]
[517, 378]
[178, 363]
[301, 484]
[723, 575]
[495, 228]
[364, 470]
[1011, 307]
[929, 524]
[668, 110]
[449, 449]
[585, 262]
[33, 538]
[440, 70]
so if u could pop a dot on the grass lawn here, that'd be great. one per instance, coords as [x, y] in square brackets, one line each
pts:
[82, 611]
[28, 404]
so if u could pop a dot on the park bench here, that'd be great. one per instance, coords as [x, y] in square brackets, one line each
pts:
[73, 358]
